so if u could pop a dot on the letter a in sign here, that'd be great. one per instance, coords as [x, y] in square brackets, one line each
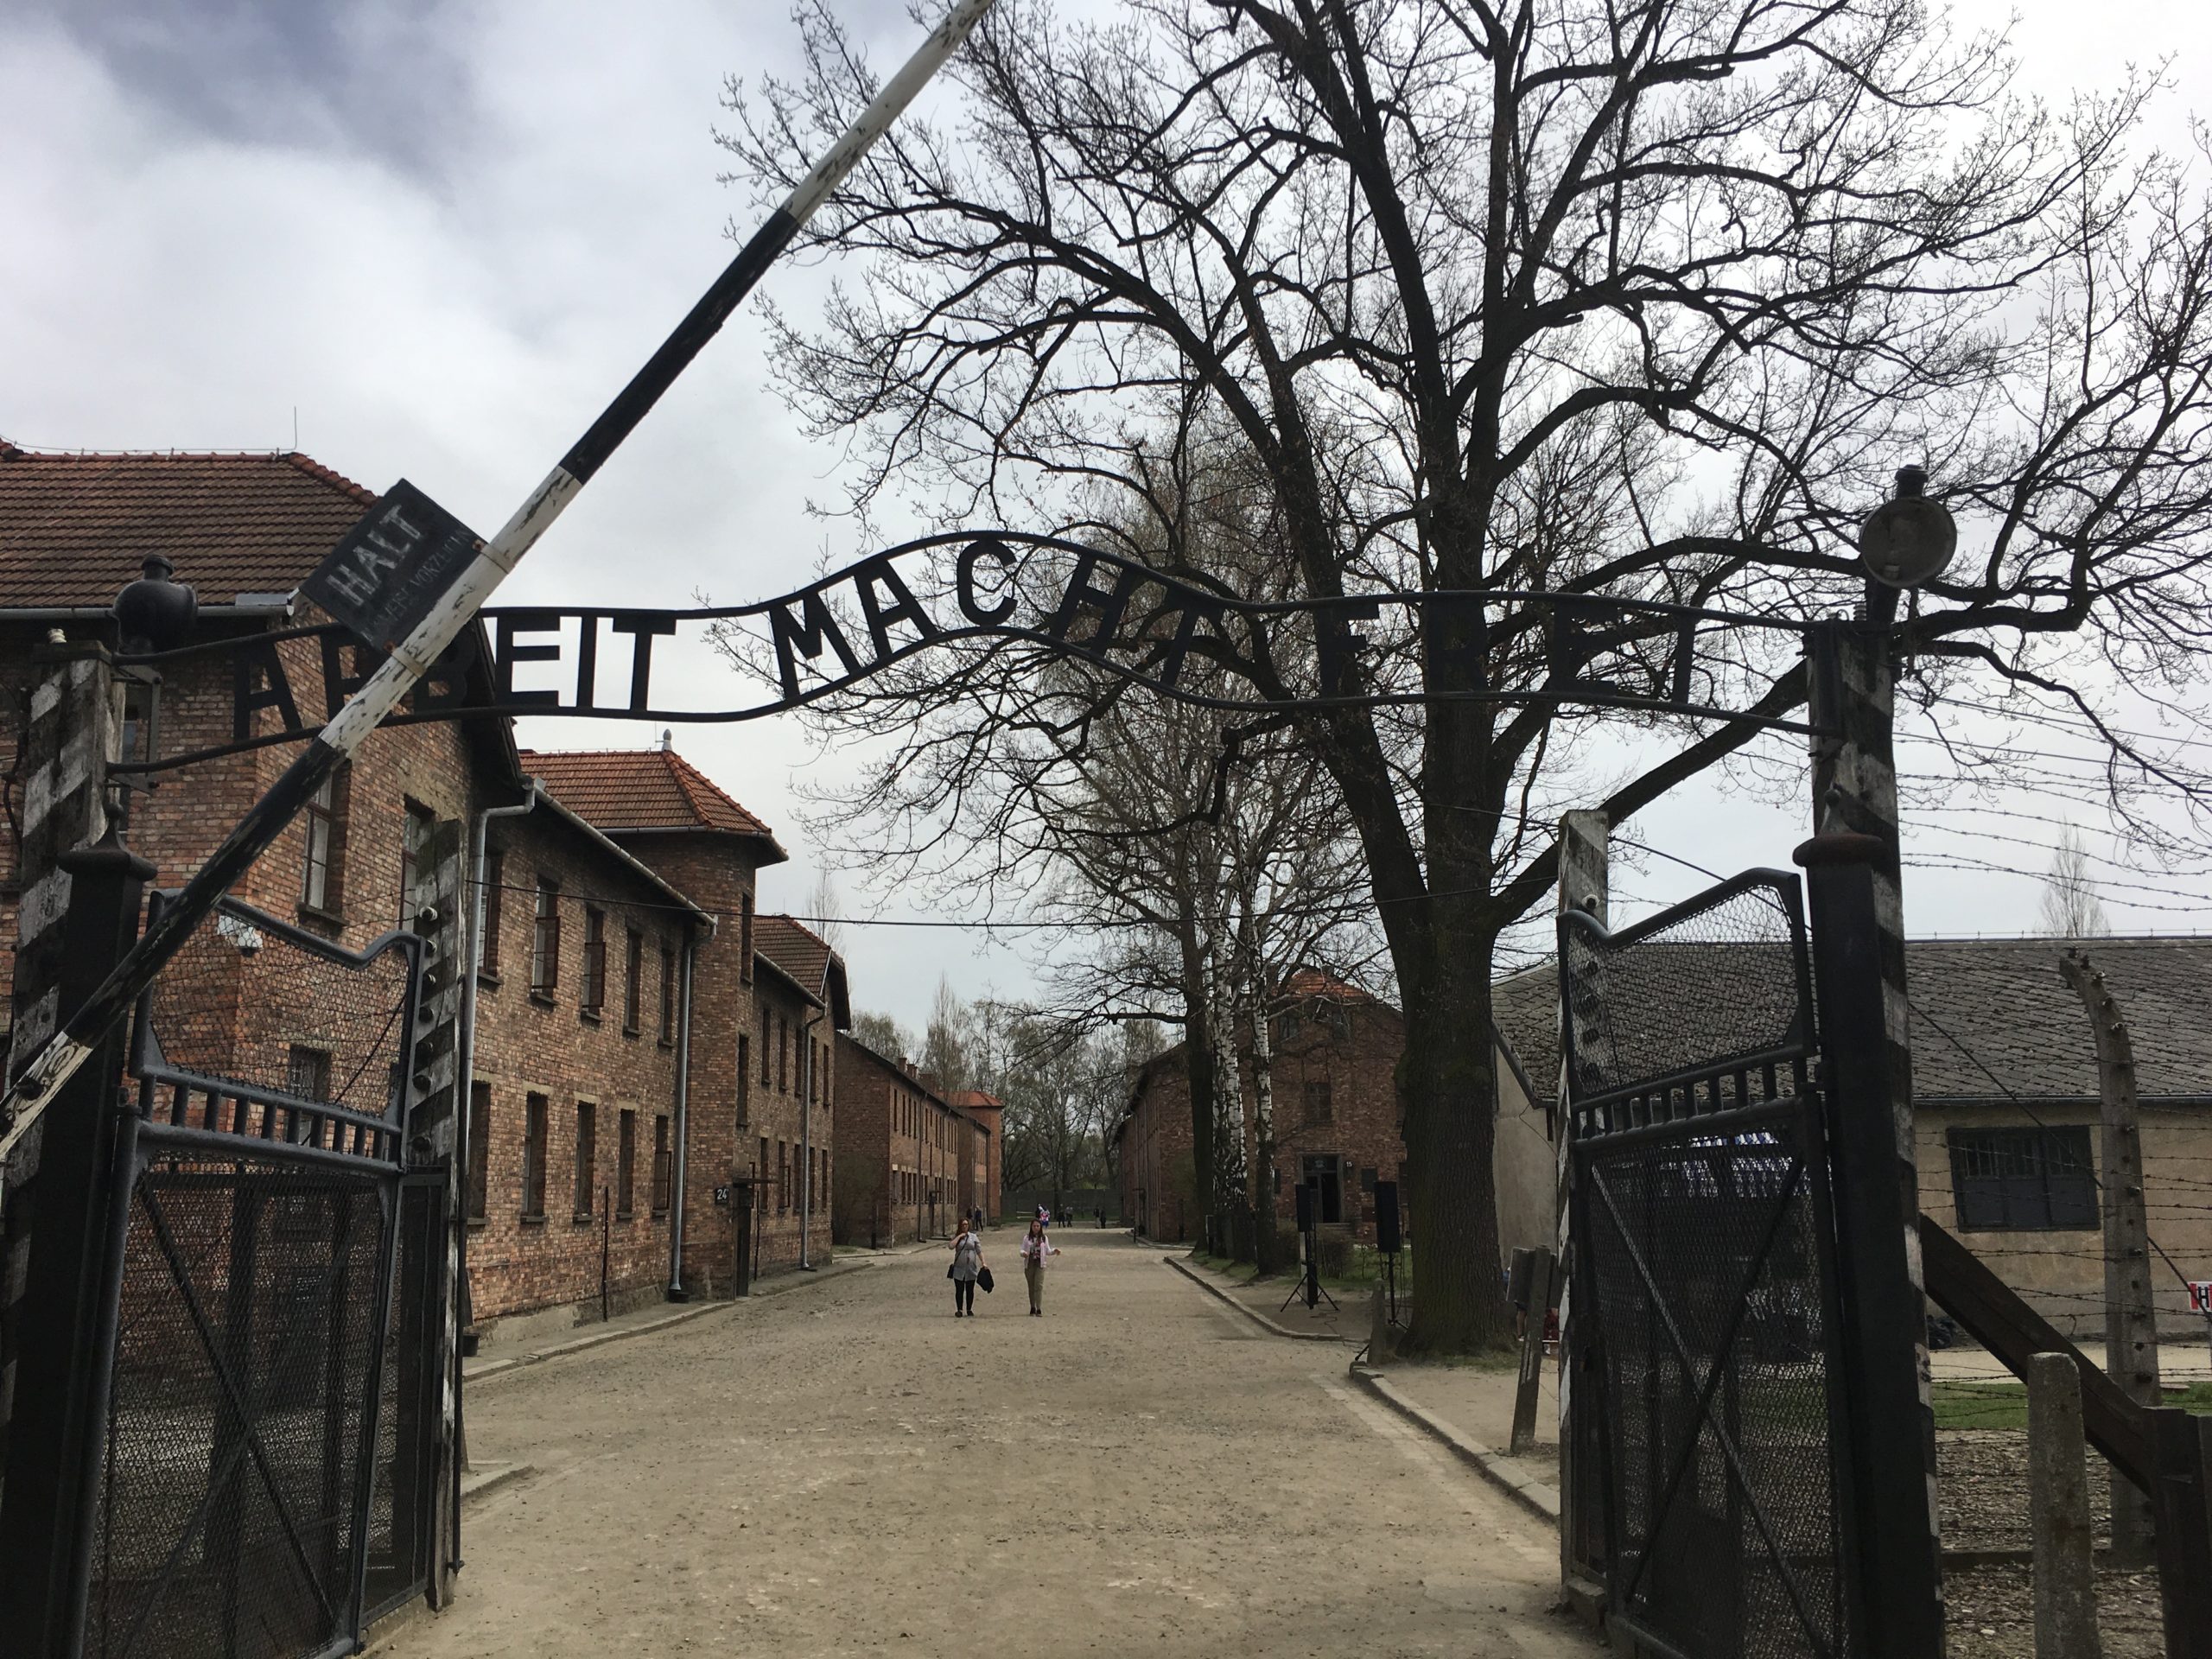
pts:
[393, 566]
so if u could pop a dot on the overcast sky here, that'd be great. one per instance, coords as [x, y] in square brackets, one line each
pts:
[443, 234]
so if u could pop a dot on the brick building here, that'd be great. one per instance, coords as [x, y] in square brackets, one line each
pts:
[909, 1164]
[988, 1112]
[1336, 1054]
[616, 1005]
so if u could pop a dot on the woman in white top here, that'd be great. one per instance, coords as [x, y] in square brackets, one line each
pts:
[1036, 1249]
[967, 1263]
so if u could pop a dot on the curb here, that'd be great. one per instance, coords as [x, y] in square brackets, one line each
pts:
[497, 1369]
[476, 1487]
[1257, 1317]
[1533, 1495]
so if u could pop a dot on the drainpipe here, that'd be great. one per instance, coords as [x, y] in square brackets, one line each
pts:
[676, 1291]
[806, 1141]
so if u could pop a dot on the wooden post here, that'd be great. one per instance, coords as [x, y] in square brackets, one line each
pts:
[2131, 1313]
[1582, 885]
[1532, 1352]
[2058, 1512]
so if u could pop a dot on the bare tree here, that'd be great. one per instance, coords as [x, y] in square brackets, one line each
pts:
[2071, 909]
[829, 918]
[1623, 298]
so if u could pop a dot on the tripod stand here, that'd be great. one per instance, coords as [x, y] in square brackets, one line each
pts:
[1309, 1282]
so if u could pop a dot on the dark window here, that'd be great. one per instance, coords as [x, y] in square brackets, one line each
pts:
[1367, 1179]
[633, 980]
[593, 997]
[1320, 1102]
[480, 1150]
[417, 885]
[2024, 1180]
[744, 1080]
[546, 939]
[767, 1074]
[783, 1055]
[663, 1165]
[586, 1155]
[536, 1110]
[306, 1075]
[626, 1163]
[1325, 1175]
[667, 994]
[783, 1177]
[1285, 1027]
[320, 882]
[745, 941]
[495, 876]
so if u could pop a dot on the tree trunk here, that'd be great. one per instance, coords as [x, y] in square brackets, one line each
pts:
[1228, 1136]
[1266, 1244]
[1197, 1061]
[1447, 1089]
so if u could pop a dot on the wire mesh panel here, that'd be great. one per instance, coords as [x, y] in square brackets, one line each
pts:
[1704, 1263]
[254, 1300]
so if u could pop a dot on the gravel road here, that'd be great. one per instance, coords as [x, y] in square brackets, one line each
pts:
[848, 1469]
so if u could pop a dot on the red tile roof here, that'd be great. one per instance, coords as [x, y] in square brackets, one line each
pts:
[618, 789]
[975, 1099]
[805, 955]
[74, 528]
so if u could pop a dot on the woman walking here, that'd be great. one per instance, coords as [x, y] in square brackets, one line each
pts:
[1036, 1249]
[967, 1264]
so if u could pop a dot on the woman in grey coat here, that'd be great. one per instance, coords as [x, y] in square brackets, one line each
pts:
[967, 1263]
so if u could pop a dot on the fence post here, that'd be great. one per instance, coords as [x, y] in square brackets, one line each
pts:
[58, 1405]
[2131, 1313]
[1532, 1352]
[1891, 1459]
[1583, 839]
[2183, 1508]
[2059, 1511]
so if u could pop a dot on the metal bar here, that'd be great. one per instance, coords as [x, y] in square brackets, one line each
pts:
[221, 1144]
[388, 1202]
[379, 696]
[1715, 1126]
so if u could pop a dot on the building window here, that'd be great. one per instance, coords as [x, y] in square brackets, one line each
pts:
[1320, 1105]
[668, 993]
[626, 1164]
[535, 1111]
[783, 1177]
[480, 1150]
[593, 997]
[2024, 1180]
[633, 979]
[1323, 1177]
[495, 875]
[307, 1077]
[783, 1055]
[766, 1068]
[321, 881]
[1286, 1028]
[545, 940]
[760, 1165]
[744, 940]
[417, 884]
[587, 1157]
[664, 1165]
[744, 1080]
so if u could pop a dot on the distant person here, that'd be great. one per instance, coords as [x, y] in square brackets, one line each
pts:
[967, 1265]
[1102, 1221]
[1036, 1250]
[976, 1219]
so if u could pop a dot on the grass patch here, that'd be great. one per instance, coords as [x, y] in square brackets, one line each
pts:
[1243, 1273]
[2004, 1405]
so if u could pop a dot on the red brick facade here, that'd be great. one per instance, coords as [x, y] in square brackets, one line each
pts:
[648, 864]
[1335, 1115]
[909, 1164]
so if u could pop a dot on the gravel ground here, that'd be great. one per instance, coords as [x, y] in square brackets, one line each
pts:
[849, 1470]
[1982, 1487]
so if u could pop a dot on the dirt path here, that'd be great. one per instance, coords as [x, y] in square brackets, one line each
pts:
[850, 1470]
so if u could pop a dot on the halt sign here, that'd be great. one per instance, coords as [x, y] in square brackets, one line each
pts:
[2200, 1295]
[392, 567]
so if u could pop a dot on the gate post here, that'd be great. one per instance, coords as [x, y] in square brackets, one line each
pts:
[58, 1407]
[1583, 839]
[1891, 1475]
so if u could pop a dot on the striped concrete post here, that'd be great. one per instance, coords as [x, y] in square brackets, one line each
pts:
[1855, 793]
[68, 744]
[1582, 885]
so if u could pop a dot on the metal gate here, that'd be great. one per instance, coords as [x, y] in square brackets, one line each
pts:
[270, 1337]
[1705, 1275]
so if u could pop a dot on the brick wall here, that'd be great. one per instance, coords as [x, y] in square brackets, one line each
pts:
[903, 1147]
[547, 1045]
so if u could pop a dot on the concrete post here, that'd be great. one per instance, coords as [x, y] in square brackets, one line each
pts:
[1532, 1353]
[2131, 1315]
[1583, 838]
[2059, 1511]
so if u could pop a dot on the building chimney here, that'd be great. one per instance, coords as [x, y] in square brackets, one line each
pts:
[667, 739]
